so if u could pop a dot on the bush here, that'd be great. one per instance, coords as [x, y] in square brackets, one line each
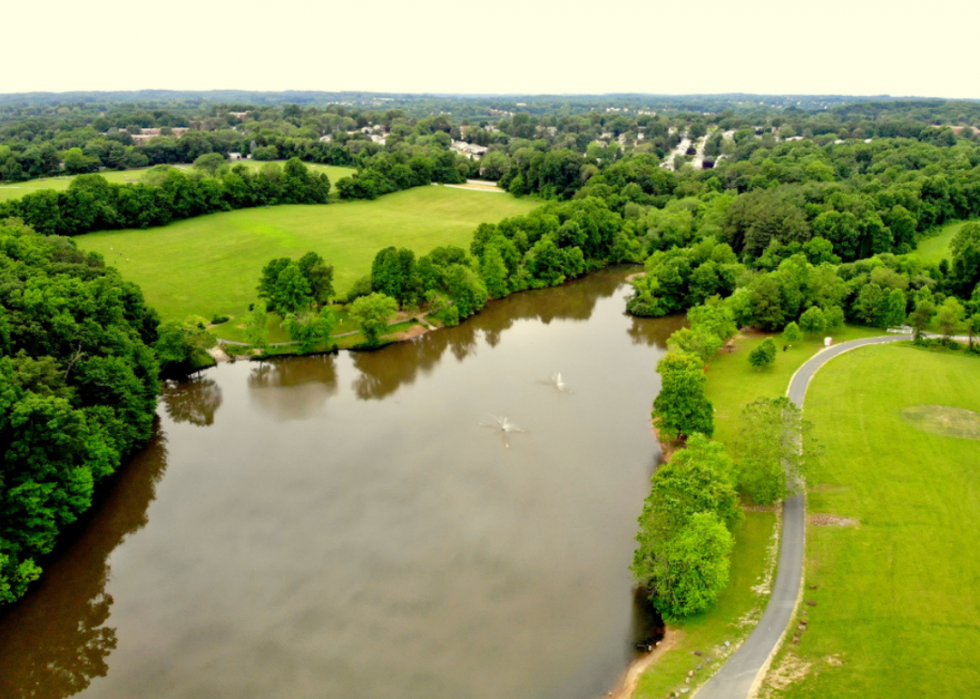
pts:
[219, 319]
[764, 354]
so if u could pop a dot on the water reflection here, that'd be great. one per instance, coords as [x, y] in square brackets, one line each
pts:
[654, 333]
[382, 373]
[195, 400]
[293, 388]
[69, 607]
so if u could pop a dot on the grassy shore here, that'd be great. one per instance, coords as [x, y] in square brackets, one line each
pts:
[15, 190]
[733, 384]
[898, 579]
[211, 264]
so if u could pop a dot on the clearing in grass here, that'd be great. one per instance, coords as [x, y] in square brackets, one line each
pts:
[211, 264]
[936, 248]
[896, 582]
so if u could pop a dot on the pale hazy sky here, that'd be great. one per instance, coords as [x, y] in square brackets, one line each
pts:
[851, 47]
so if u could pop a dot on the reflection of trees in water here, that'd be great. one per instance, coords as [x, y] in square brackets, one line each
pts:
[384, 371]
[654, 332]
[309, 380]
[193, 400]
[55, 640]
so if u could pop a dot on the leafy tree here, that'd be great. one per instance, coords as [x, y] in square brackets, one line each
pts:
[715, 319]
[950, 317]
[973, 328]
[291, 292]
[319, 275]
[372, 313]
[692, 570]
[920, 318]
[257, 326]
[681, 408]
[699, 343]
[772, 448]
[792, 333]
[210, 163]
[965, 248]
[182, 347]
[834, 317]
[767, 304]
[764, 354]
[893, 313]
[680, 558]
[494, 272]
[310, 329]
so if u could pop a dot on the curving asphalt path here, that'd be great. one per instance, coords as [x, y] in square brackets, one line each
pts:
[738, 678]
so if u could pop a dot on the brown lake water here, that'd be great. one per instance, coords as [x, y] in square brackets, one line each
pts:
[343, 526]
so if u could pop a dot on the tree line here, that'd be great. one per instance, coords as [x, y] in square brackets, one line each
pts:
[78, 390]
[92, 204]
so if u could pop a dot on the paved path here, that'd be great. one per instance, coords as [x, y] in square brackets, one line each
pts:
[738, 677]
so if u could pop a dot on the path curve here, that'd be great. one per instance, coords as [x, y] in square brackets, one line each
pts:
[740, 676]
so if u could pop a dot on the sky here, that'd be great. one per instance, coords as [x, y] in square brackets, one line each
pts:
[847, 47]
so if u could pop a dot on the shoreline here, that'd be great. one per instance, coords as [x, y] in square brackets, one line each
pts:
[626, 685]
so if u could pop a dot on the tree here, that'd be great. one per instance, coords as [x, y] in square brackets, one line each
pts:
[893, 312]
[715, 319]
[310, 329]
[791, 333]
[257, 326]
[693, 568]
[767, 304]
[700, 343]
[973, 328]
[292, 290]
[834, 316]
[950, 317]
[319, 275]
[771, 449]
[372, 313]
[182, 347]
[210, 163]
[494, 272]
[925, 309]
[682, 552]
[681, 408]
[764, 354]
[812, 321]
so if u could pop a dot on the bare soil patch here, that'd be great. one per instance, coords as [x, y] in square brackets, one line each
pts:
[820, 520]
[793, 669]
[944, 420]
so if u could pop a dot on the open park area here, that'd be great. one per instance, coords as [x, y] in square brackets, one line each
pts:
[211, 264]
[893, 516]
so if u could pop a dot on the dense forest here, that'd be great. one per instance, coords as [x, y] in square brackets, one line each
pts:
[78, 390]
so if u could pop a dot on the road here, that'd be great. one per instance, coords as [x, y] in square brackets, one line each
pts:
[738, 678]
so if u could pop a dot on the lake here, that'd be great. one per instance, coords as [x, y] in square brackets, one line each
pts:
[348, 526]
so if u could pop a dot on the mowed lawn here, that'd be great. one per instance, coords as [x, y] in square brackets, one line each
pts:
[212, 264]
[936, 247]
[15, 190]
[898, 594]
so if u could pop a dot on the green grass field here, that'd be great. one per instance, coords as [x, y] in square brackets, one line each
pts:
[936, 247]
[211, 264]
[898, 597]
[19, 189]
[733, 384]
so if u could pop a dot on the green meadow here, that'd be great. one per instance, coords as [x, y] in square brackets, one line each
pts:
[936, 247]
[211, 264]
[892, 562]
[19, 189]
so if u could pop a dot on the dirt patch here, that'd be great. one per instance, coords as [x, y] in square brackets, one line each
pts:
[413, 331]
[636, 275]
[793, 669]
[761, 508]
[667, 449]
[944, 420]
[627, 683]
[834, 660]
[819, 520]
